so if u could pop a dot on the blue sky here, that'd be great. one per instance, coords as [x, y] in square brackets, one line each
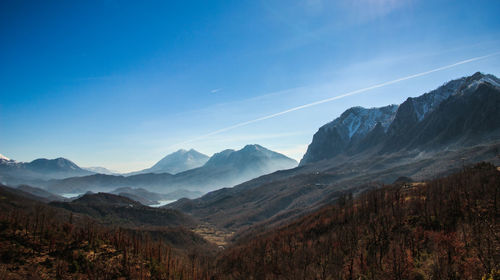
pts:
[120, 84]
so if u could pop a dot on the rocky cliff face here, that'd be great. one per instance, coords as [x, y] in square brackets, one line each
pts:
[427, 136]
[347, 130]
[450, 114]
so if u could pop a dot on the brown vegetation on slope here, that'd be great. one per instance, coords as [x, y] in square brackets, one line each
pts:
[444, 229]
[38, 241]
[118, 210]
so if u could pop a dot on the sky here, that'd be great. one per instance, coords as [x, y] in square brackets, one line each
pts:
[121, 84]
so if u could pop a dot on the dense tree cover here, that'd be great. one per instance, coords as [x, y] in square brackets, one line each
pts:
[42, 242]
[442, 229]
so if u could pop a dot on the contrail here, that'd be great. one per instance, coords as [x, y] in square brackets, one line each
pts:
[358, 91]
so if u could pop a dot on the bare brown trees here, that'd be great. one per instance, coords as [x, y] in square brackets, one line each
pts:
[443, 229]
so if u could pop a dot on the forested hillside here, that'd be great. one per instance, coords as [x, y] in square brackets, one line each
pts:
[447, 228]
[38, 241]
[442, 229]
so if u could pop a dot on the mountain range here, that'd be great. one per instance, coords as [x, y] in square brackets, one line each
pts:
[360, 203]
[434, 134]
[224, 169]
[429, 122]
[39, 169]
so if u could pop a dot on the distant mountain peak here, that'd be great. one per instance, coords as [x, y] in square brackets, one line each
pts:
[40, 169]
[476, 76]
[101, 170]
[184, 151]
[176, 162]
[254, 147]
[248, 154]
[219, 158]
[54, 163]
[473, 82]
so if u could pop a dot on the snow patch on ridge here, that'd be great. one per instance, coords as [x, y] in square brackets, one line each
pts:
[427, 102]
[359, 121]
[485, 79]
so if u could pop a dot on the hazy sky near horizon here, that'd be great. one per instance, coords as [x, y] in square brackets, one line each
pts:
[120, 84]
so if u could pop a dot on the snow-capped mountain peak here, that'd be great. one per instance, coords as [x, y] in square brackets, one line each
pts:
[359, 121]
[176, 162]
[427, 102]
[347, 132]
[478, 79]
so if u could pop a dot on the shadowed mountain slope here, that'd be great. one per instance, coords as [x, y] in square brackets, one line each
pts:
[461, 112]
[427, 136]
[445, 228]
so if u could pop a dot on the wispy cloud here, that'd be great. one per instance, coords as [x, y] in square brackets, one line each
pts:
[215, 90]
[337, 97]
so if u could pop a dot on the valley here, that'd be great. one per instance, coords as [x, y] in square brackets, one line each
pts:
[381, 193]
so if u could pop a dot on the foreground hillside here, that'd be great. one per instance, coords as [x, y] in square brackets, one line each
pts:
[122, 211]
[442, 229]
[38, 241]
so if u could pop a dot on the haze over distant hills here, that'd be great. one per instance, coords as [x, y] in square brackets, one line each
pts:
[254, 190]
[176, 162]
[39, 169]
[151, 198]
[48, 196]
[15, 172]
[427, 136]
[101, 170]
[224, 169]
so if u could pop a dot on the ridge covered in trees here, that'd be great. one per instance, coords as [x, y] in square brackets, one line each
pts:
[39, 241]
[445, 228]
